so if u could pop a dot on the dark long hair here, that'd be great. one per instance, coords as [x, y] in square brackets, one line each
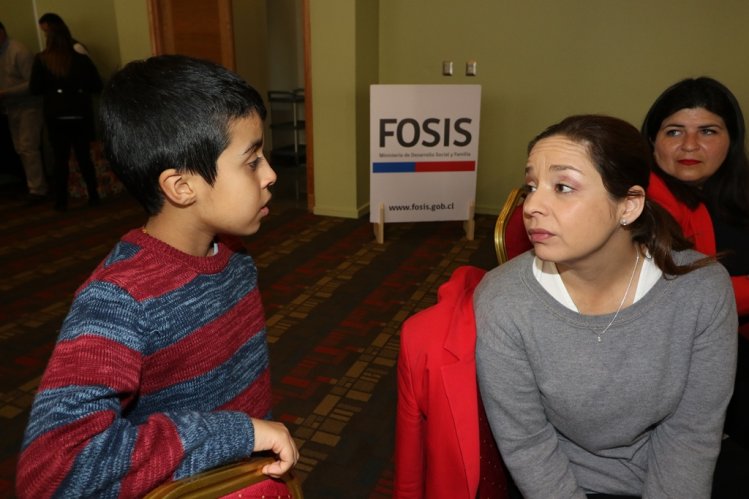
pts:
[726, 192]
[58, 53]
[623, 160]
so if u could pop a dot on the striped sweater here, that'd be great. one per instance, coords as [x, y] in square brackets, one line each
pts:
[159, 365]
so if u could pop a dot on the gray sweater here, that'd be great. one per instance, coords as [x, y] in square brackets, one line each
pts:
[639, 413]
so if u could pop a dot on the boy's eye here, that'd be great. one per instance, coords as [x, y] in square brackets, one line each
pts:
[254, 163]
[528, 188]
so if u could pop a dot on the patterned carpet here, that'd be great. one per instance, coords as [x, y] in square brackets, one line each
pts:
[334, 298]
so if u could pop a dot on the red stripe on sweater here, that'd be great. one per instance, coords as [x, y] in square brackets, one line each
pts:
[206, 348]
[96, 361]
[41, 472]
[157, 453]
[138, 277]
[254, 401]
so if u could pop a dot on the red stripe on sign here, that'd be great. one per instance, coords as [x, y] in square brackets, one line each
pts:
[445, 166]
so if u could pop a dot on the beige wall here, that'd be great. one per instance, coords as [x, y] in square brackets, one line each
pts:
[334, 94]
[20, 23]
[93, 23]
[538, 61]
[133, 32]
[114, 31]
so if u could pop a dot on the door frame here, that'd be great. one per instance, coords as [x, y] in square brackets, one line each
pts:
[155, 17]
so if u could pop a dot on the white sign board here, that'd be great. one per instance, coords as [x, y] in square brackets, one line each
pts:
[424, 142]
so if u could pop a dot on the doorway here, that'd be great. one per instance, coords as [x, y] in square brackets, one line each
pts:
[205, 29]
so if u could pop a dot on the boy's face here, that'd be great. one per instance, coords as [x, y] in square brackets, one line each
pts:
[237, 201]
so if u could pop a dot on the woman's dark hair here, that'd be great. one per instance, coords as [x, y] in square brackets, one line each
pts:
[726, 192]
[51, 18]
[58, 53]
[623, 160]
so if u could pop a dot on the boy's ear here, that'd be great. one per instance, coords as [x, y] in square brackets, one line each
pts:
[176, 187]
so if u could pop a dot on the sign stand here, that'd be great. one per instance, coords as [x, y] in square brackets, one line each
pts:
[423, 154]
[469, 226]
[379, 226]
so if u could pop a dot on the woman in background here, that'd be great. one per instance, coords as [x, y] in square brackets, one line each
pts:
[696, 132]
[66, 79]
[606, 356]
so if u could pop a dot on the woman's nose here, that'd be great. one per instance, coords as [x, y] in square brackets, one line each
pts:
[690, 142]
[533, 203]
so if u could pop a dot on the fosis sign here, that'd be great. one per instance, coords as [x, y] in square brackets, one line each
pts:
[423, 152]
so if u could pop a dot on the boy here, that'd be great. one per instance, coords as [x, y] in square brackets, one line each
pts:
[161, 367]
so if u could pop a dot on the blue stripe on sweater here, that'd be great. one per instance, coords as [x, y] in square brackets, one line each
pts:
[199, 302]
[212, 438]
[106, 310]
[122, 251]
[61, 406]
[212, 389]
[100, 467]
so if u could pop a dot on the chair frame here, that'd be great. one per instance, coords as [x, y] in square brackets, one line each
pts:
[223, 480]
[514, 199]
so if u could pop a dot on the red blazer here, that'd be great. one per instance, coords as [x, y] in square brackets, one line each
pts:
[437, 429]
[698, 226]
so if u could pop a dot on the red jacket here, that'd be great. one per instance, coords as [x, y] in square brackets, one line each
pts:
[698, 227]
[437, 429]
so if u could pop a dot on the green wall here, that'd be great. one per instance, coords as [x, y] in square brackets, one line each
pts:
[93, 23]
[538, 61]
[18, 18]
[133, 32]
[335, 114]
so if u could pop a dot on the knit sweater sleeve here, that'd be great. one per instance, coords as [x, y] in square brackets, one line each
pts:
[526, 439]
[685, 446]
[80, 442]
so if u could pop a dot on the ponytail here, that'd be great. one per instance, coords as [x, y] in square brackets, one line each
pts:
[657, 230]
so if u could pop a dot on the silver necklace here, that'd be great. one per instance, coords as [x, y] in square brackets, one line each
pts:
[621, 304]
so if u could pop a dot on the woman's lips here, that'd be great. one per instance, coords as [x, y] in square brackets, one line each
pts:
[688, 162]
[539, 235]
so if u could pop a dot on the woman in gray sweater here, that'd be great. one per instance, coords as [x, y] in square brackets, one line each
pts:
[606, 356]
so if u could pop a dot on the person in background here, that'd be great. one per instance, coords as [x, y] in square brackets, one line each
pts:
[66, 80]
[696, 132]
[24, 112]
[161, 370]
[605, 356]
[50, 20]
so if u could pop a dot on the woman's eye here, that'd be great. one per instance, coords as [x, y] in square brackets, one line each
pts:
[709, 131]
[563, 188]
[673, 132]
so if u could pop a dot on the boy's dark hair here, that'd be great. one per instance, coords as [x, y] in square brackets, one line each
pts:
[171, 111]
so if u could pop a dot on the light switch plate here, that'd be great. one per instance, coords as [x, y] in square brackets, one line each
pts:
[447, 68]
[471, 68]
